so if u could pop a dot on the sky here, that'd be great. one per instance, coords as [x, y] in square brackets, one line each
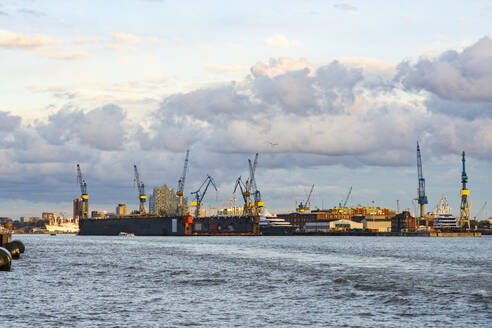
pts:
[343, 89]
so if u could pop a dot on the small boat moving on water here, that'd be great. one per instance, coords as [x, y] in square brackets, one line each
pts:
[127, 234]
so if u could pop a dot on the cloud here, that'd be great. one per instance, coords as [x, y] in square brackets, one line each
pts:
[13, 40]
[101, 128]
[86, 40]
[126, 37]
[280, 40]
[325, 117]
[464, 76]
[279, 66]
[8, 122]
[59, 54]
[3, 13]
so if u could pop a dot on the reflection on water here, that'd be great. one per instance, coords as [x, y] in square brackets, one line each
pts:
[249, 282]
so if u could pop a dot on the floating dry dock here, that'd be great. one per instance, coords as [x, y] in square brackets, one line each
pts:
[172, 226]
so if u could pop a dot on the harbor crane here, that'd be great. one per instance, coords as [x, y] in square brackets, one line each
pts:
[199, 194]
[464, 220]
[141, 191]
[83, 206]
[346, 198]
[422, 198]
[242, 188]
[258, 204]
[248, 188]
[181, 183]
[307, 205]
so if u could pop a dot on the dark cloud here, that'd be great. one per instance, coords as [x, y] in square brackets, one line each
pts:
[101, 128]
[9, 122]
[457, 76]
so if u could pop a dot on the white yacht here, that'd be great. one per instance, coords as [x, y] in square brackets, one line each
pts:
[444, 219]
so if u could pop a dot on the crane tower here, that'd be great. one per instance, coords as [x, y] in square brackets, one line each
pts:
[141, 191]
[181, 184]
[83, 204]
[464, 220]
[422, 198]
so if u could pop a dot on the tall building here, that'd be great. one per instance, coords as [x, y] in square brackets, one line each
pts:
[164, 201]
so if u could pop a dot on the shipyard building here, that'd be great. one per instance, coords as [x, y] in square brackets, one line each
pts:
[373, 218]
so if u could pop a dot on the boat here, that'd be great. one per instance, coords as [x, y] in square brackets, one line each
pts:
[62, 225]
[127, 234]
[271, 225]
[444, 219]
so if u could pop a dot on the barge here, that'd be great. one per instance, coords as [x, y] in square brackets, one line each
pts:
[172, 226]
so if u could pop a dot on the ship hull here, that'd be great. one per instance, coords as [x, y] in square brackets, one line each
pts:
[271, 230]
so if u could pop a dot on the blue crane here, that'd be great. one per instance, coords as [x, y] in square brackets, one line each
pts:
[464, 220]
[83, 207]
[181, 183]
[199, 194]
[307, 205]
[422, 198]
[141, 191]
[348, 196]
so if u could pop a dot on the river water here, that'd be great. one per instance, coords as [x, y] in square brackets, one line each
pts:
[92, 281]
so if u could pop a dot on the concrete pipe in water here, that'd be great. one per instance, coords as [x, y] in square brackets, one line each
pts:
[5, 259]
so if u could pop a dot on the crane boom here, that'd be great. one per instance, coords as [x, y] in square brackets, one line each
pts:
[81, 181]
[181, 184]
[141, 190]
[348, 196]
[422, 198]
[199, 194]
[309, 196]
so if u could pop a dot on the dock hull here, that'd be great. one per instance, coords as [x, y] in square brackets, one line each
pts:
[171, 226]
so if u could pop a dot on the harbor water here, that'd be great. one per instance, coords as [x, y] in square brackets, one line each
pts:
[292, 281]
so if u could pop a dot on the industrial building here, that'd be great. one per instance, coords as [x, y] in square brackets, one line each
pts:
[403, 222]
[377, 217]
[333, 225]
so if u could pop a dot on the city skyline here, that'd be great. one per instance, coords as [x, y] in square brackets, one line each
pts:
[328, 92]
